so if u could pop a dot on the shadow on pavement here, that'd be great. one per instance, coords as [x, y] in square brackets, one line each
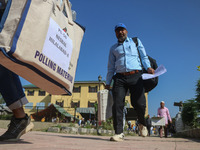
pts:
[83, 137]
[79, 137]
[15, 142]
[169, 139]
[194, 140]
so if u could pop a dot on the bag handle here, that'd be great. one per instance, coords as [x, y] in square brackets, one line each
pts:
[67, 6]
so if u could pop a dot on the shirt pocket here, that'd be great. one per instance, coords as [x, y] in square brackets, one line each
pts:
[133, 50]
[118, 53]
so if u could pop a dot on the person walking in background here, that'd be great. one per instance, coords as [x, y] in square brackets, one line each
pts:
[125, 68]
[129, 126]
[88, 121]
[148, 122]
[164, 112]
[83, 122]
[79, 122]
[93, 122]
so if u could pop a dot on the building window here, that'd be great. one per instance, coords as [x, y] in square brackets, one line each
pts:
[41, 93]
[29, 106]
[40, 105]
[93, 89]
[60, 103]
[75, 104]
[91, 104]
[30, 93]
[77, 89]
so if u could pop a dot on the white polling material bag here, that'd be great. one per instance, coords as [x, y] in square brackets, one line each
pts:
[158, 121]
[40, 42]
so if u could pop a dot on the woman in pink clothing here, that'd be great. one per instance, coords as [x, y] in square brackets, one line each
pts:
[164, 112]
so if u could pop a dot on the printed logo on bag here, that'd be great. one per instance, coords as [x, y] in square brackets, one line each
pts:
[65, 30]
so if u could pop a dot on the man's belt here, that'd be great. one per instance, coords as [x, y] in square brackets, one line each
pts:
[129, 73]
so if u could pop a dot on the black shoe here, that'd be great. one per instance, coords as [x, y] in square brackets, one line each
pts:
[17, 128]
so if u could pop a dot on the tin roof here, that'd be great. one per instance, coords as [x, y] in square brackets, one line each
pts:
[34, 86]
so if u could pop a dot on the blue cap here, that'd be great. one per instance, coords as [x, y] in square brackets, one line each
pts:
[120, 25]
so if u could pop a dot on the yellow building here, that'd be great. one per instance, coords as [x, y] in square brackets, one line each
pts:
[84, 95]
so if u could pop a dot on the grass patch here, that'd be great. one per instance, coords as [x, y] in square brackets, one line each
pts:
[6, 117]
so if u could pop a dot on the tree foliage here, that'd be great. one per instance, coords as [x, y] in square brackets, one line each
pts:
[198, 91]
[198, 68]
[191, 109]
[189, 113]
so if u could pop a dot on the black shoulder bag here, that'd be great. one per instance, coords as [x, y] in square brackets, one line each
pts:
[150, 83]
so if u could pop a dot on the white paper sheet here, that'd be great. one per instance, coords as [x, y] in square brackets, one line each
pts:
[58, 46]
[159, 71]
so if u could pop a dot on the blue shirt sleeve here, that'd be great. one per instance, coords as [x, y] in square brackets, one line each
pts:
[111, 67]
[143, 55]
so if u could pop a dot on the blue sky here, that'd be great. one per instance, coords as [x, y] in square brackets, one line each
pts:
[169, 30]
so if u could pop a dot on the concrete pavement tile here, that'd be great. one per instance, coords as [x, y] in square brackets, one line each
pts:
[57, 141]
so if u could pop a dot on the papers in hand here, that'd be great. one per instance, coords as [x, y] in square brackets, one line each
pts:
[159, 71]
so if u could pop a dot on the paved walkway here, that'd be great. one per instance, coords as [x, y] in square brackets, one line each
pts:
[56, 141]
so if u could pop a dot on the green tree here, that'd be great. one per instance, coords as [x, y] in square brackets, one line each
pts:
[189, 113]
[198, 68]
[191, 109]
[198, 95]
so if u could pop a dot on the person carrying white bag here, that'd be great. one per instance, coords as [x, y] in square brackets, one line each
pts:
[48, 56]
[12, 93]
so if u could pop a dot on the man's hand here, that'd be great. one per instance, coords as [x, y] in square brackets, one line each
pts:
[150, 70]
[107, 87]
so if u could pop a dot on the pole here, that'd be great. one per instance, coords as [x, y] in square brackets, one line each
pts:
[74, 113]
[99, 79]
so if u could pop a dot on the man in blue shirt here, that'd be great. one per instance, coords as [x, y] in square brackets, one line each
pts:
[125, 68]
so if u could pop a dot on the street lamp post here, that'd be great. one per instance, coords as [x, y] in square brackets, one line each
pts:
[99, 79]
[179, 104]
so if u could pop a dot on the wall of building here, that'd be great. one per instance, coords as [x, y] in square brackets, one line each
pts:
[82, 97]
[35, 99]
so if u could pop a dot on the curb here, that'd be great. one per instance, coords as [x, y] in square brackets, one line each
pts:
[193, 133]
[74, 130]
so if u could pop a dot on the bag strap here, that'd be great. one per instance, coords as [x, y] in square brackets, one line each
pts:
[135, 40]
[67, 6]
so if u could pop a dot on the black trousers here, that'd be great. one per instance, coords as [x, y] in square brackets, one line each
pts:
[165, 130]
[149, 130]
[121, 85]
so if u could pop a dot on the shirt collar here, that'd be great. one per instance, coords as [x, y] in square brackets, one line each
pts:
[162, 108]
[126, 40]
